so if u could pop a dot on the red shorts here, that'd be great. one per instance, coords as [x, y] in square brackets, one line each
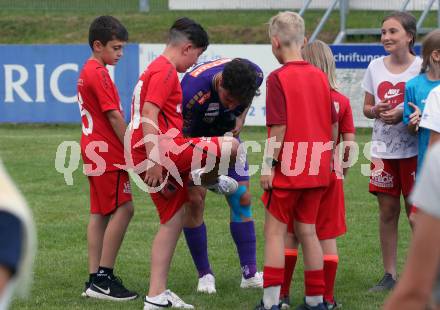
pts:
[330, 221]
[331, 215]
[397, 176]
[109, 191]
[171, 199]
[301, 204]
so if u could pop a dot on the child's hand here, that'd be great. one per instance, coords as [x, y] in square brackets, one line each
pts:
[153, 175]
[414, 118]
[382, 107]
[392, 117]
[266, 180]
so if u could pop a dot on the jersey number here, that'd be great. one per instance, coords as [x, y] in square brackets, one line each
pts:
[86, 128]
[136, 105]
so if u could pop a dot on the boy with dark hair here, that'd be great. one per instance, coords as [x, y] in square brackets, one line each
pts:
[164, 158]
[103, 129]
[297, 158]
[216, 97]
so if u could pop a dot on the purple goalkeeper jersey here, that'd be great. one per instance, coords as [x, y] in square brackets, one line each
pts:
[203, 113]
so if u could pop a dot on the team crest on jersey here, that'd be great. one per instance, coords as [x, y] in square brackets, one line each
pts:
[336, 104]
[382, 179]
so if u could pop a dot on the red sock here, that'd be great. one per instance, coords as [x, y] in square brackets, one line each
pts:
[314, 282]
[290, 256]
[272, 276]
[330, 267]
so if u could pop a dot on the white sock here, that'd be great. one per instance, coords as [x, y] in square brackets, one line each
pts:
[157, 298]
[314, 300]
[271, 296]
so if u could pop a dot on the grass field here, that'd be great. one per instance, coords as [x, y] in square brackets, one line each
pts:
[61, 213]
[33, 26]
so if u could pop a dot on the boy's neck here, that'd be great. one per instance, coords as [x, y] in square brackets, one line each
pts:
[291, 54]
[97, 58]
[170, 54]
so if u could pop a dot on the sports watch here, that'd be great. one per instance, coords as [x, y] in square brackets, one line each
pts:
[270, 161]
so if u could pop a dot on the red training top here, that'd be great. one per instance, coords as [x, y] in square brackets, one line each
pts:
[97, 95]
[308, 113]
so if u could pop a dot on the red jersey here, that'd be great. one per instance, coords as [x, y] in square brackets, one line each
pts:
[305, 92]
[158, 84]
[97, 94]
[345, 115]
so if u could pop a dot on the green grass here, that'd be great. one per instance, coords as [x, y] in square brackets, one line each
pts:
[61, 213]
[32, 26]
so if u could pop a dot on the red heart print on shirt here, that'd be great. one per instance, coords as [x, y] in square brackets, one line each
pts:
[393, 94]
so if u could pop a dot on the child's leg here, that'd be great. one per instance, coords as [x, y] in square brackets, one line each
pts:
[95, 238]
[331, 260]
[273, 273]
[162, 252]
[114, 234]
[195, 229]
[313, 262]
[242, 229]
[389, 207]
[290, 257]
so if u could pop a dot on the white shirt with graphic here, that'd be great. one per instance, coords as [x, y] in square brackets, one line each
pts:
[396, 141]
[431, 113]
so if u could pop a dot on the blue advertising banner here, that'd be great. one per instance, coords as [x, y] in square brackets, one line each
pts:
[38, 82]
[358, 56]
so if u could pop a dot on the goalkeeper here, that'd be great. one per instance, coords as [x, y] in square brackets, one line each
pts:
[216, 98]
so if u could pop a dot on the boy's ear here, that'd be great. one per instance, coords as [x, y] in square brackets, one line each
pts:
[305, 41]
[275, 42]
[186, 47]
[97, 45]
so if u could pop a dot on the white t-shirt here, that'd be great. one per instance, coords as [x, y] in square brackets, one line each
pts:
[384, 85]
[431, 114]
[426, 194]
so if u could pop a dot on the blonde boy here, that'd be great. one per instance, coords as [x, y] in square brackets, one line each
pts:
[297, 159]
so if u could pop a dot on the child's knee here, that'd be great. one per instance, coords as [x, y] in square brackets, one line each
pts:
[127, 208]
[240, 203]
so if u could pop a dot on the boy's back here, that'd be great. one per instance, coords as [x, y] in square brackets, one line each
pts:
[96, 95]
[308, 118]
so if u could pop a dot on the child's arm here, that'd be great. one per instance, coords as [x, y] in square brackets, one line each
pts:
[434, 137]
[153, 175]
[239, 122]
[414, 119]
[272, 152]
[372, 109]
[347, 138]
[118, 123]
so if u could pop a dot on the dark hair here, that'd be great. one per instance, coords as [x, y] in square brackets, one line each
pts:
[105, 29]
[408, 22]
[186, 28]
[430, 43]
[239, 78]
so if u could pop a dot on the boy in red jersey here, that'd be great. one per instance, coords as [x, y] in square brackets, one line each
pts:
[330, 222]
[297, 158]
[159, 149]
[102, 149]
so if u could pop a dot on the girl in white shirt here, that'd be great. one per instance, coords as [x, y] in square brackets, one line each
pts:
[393, 148]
